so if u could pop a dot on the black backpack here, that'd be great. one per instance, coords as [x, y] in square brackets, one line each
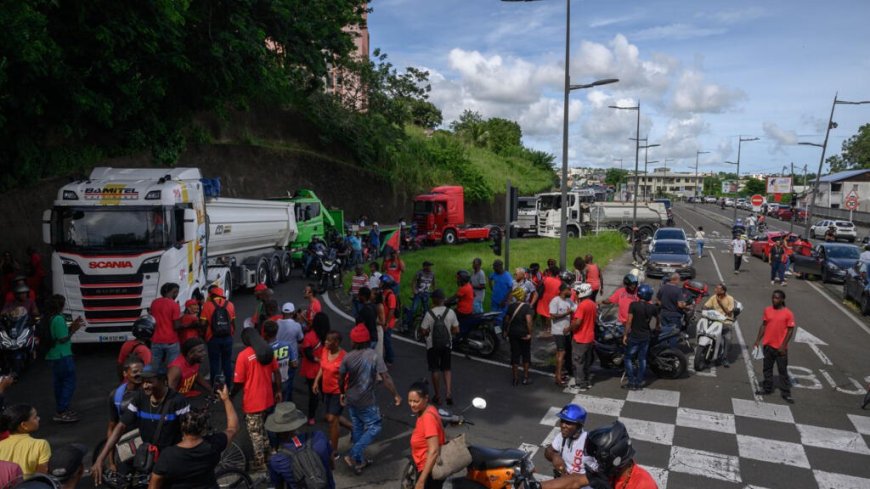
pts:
[517, 325]
[440, 333]
[307, 466]
[220, 321]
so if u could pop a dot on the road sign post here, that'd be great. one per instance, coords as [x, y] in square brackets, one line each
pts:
[851, 203]
[757, 201]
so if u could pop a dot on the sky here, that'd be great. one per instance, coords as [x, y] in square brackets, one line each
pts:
[705, 73]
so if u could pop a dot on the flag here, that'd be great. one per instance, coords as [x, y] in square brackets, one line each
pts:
[392, 241]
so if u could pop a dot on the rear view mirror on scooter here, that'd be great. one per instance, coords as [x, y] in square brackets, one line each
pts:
[478, 403]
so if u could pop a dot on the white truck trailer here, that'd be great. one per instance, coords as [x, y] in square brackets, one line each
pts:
[120, 235]
[586, 215]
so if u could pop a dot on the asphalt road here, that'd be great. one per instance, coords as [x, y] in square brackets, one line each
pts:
[705, 430]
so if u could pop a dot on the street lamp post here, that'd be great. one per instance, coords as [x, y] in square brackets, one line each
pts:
[697, 157]
[563, 229]
[740, 142]
[636, 163]
[646, 163]
[824, 146]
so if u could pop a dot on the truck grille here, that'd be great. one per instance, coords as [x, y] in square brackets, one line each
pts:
[111, 298]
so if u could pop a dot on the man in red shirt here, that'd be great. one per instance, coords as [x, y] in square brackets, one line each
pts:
[777, 329]
[464, 300]
[551, 283]
[219, 339]
[583, 329]
[183, 372]
[623, 297]
[189, 321]
[314, 306]
[394, 266]
[167, 315]
[258, 377]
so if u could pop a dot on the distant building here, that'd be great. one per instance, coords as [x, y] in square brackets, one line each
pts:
[834, 188]
[344, 84]
[663, 181]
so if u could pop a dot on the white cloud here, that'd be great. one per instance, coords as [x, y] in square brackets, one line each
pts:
[693, 94]
[779, 136]
[495, 79]
[678, 31]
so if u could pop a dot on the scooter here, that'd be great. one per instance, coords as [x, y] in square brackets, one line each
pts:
[17, 340]
[490, 468]
[709, 345]
[695, 291]
[665, 361]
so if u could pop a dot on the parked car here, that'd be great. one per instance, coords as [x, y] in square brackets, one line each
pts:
[844, 230]
[857, 288]
[710, 199]
[771, 209]
[729, 202]
[787, 213]
[830, 261]
[762, 243]
[668, 233]
[669, 256]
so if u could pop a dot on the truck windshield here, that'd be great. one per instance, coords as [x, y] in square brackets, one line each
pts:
[550, 202]
[86, 229]
[422, 207]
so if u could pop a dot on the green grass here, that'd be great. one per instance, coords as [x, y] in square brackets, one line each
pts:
[495, 169]
[449, 259]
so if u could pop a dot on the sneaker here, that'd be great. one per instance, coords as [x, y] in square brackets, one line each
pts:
[787, 398]
[66, 417]
[585, 386]
[772, 282]
[784, 283]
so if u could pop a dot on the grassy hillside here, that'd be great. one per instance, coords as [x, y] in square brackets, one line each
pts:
[496, 169]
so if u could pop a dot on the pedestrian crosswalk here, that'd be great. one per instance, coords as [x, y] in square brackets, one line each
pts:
[683, 446]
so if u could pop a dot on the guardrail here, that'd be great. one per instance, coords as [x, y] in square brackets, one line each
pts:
[826, 212]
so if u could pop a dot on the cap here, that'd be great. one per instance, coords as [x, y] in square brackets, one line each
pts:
[438, 294]
[288, 307]
[218, 292]
[260, 288]
[427, 263]
[190, 302]
[360, 334]
[150, 372]
[65, 461]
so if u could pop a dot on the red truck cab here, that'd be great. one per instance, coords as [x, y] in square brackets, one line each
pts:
[440, 216]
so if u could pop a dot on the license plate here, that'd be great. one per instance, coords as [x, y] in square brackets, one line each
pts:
[498, 330]
[669, 269]
[112, 338]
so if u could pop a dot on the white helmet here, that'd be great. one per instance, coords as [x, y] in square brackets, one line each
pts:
[583, 290]
[637, 274]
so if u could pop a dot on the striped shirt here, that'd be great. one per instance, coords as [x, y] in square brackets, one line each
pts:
[140, 411]
[358, 282]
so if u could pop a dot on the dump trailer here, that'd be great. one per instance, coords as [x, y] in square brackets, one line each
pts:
[586, 215]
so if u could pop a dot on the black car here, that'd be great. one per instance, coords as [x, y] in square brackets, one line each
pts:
[856, 288]
[668, 256]
[830, 261]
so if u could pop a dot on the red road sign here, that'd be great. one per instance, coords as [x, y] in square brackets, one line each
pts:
[757, 200]
[851, 204]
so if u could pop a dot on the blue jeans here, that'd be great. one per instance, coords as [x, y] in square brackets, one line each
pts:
[162, 354]
[287, 386]
[356, 257]
[636, 349]
[220, 353]
[477, 307]
[389, 355]
[700, 243]
[356, 306]
[777, 271]
[420, 299]
[366, 426]
[64, 376]
[670, 321]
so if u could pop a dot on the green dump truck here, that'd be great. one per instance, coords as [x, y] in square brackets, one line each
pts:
[313, 218]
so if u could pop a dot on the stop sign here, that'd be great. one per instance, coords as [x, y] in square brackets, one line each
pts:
[757, 200]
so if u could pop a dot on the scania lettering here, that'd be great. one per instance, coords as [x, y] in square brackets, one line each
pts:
[122, 233]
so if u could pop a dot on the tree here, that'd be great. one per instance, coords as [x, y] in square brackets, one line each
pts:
[855, 152]
[754, 186]
[502, 135]
[470, 127]
[425, 114]
[712, 186]
[615, 176]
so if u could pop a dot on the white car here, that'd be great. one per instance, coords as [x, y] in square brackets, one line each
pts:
[844, 230]
[710, 200]
[729, 202]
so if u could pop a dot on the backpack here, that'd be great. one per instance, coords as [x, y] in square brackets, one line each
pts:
[517, 326]
[220, 321]
[440, 333]
[308, 469]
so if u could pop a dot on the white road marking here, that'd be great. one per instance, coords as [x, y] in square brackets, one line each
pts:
[549, 439]
[705, 464]
[827, 480]
[530, 449]
[706, 420]
[659, 397]
[762, 410]
[651, 431]
[804, 336]
[599, 405]
[857, 391]
[774, 451]
[862, 423]
[846, 441]
[709, 372]
[660, 475]
[551, 417]
[839, 306]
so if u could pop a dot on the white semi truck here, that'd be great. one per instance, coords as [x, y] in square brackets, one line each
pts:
[585, 215]
[121, 234]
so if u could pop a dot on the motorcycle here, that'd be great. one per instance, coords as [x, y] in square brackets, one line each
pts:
[482, 338]
[665, 361]
[695, 291]
[327, 269]
[490, 468]
[709, 345]
[17, 340]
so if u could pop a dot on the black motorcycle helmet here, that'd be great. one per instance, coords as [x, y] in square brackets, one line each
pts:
[143, 328]
[610, 447]
[567, 277]
[463, 277]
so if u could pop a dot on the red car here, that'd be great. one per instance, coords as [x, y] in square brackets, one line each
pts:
[761, 245]
[786, 214]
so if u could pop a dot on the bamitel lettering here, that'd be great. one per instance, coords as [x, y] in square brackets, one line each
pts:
[111, 264]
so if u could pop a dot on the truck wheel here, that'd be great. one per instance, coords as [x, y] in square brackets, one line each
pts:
[262, 270]
[646, 232]
[274, 270]
[573, 232]
[449, 237]
[626, 232]
[286, 266]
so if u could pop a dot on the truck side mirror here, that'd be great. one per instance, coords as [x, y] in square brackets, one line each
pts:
[190, 225]
[46, 226]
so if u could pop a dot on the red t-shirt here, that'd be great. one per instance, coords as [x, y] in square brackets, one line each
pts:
[623, 299]
[134, 346]
[190, 323]
[165, 312]
[551, 289]
[313, 308]
[428, 425]
[777, 322]
[637, 478]
[257, 380]
[188, 376]
[390, 305]
[586, 312]
[208, 310]
[309, 369]
[593, 276]
[330, 371]
[465, 294]
[391, 268]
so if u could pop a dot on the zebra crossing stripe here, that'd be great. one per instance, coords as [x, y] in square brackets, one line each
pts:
[651, 431]
[762, 410]
[862, 423]
[847, 441]
[774, 451]
[706, 420]
[705, 464]
[828, 480]
[659, 397]
[599, 405]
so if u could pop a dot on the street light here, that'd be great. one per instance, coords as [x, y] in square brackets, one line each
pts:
[740, 142]
[697, 157]
[563, 231]
[636, 163]
[824, 146]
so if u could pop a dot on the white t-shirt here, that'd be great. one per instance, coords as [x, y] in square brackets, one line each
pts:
[375, 281]
[572, 453]
[738, 246]
[699, 235]
[864, 257]
[560, 306]
[428, 322]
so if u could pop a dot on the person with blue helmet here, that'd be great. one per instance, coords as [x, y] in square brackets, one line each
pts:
[567, 451]
[637, 335]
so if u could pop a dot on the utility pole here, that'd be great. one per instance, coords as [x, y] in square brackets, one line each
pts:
[794, 213]
[697, 157]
